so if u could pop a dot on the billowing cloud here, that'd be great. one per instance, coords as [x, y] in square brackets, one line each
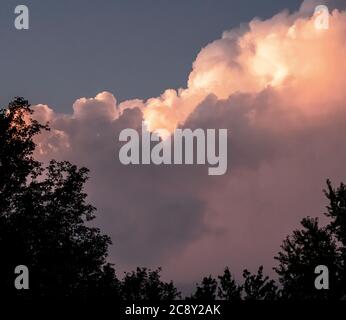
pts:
[102, 106]
[277, 86]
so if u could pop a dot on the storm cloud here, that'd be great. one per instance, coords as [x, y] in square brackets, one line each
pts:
[278, 87]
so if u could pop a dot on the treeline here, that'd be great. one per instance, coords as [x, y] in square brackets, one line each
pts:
[43, 225]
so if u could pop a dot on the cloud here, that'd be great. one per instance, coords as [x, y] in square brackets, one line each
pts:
[104, 106]
[278, 87]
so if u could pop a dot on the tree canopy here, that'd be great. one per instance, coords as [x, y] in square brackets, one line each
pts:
[44, 215]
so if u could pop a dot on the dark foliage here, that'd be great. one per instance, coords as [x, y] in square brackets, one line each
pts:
[228, 288]
[44, 215]
[207, 290]
[258, 287]
[145, 284]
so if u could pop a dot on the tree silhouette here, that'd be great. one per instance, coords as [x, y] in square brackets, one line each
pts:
[207, 290]
[145, 284]
[16, 150]
[312, 246]
[258, 287]
[228, 288]
[255, 287]
[44, 216]
[336, 210]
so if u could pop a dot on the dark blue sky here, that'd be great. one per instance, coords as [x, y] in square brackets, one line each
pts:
[130, 48]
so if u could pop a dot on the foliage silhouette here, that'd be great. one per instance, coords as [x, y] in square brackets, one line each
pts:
[313, 246]
[207, 290]
[228, 288]
[259, 287]
[301, 254]
[145, 284]
[255, 287]
[336, 210]
[44, 215]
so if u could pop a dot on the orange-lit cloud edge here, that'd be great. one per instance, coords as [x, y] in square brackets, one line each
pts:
[285, 52]
[290, 79]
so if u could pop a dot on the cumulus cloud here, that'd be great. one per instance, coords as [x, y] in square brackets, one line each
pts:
[277, 86]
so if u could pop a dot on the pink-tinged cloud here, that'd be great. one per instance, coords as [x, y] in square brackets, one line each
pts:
[278, 87]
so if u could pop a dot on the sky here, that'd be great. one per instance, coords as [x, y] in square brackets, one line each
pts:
[263, 72]
[132, 48]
